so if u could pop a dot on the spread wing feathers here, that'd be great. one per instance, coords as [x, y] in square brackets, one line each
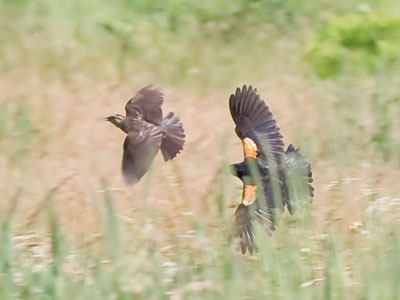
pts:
[244, 225]
[272, 179]
[148, 101]
[173, 136]
[244, 228]
[298, 179]
[271, 199]
[252, 116]
[139, 152]
[287, 184]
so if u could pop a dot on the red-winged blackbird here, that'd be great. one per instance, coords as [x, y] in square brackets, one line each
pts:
[272, 178]
[147, 132]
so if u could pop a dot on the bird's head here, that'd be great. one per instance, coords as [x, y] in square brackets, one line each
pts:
[116, 119]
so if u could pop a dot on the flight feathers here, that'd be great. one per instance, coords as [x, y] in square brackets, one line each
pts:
[173, 136]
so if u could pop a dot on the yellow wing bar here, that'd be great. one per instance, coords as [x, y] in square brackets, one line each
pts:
[249, 148]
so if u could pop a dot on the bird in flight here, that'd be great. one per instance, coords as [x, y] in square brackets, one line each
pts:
[272, 178]
[147, 132]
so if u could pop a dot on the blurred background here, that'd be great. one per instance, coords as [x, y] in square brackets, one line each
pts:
[330, 74]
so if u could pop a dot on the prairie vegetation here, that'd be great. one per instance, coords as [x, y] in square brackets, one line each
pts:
[70, 229]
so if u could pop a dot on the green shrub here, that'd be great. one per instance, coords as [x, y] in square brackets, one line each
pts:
[359, 43]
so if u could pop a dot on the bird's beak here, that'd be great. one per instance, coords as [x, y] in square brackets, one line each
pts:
[107, 119]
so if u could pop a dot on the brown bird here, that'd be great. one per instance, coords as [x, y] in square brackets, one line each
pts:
[272, 178]
[147, 132]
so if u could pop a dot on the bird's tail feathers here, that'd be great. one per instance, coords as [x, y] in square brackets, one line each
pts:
[173, 136]
[297, 179]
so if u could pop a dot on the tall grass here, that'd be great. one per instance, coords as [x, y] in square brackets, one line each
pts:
[293, 264]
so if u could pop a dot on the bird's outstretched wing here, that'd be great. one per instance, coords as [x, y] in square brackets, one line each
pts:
[139, 152]
[244, 228]
[289, 184]
[252, 117]
[263, 150]
[298, 179]
[272, 178]
[148, 101]
[245, 215]
[258, 204]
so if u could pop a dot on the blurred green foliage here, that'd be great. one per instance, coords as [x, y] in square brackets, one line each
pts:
[175, 40]
[293, 264]
[16, 129]
[362, 42]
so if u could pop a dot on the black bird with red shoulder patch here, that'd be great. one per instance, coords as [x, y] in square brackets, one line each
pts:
[272, 178]
[147, 132]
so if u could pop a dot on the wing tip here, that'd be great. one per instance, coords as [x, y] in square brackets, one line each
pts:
[129, 179]
[151, 88]
[244, 232]
[291, 148]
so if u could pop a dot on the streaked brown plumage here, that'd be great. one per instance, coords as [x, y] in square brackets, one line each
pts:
[147, 132]
[272, 178]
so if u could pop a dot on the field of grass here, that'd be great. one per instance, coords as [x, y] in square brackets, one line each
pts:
[70, 228]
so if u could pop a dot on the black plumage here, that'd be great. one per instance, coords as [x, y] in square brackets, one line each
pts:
[272, 178]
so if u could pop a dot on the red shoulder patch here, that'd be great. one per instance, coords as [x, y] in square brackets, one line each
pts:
[249, 148]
